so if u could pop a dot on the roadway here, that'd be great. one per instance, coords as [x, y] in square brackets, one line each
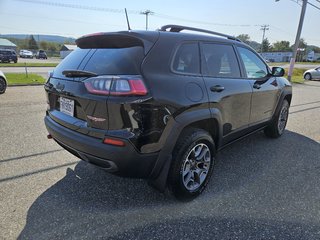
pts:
[261, 188]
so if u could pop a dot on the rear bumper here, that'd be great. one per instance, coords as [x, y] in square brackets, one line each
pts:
[124, 161]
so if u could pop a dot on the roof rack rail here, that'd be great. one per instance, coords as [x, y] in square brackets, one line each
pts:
[179, 28]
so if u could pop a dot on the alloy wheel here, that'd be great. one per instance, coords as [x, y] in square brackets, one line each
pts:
[283, 117]
[196, 166]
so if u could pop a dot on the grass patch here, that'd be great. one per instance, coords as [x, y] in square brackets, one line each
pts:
[21, 78]
[22, 64]
[297, 75]
[285, 63]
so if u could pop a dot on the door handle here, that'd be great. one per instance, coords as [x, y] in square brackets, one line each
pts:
[256, 86]
[216, 88]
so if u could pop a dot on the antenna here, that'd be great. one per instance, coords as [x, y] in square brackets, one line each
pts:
[127, 19]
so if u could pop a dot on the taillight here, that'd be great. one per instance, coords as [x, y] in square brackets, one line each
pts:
[116, 86]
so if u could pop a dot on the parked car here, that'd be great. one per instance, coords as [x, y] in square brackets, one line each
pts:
[25, 54]
[312, 74]
[8, 55]
[41, 54]
[160, 104]
[3, 83]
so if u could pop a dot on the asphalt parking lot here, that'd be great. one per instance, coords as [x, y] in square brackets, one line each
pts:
[34, 60]
[42, 71]
[261, 188]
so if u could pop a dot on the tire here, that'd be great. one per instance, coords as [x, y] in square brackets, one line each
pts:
[307, 77]
[278, 124]
[3, 85]
[188, 176]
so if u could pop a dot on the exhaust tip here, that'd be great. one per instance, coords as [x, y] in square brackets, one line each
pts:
[49, 136]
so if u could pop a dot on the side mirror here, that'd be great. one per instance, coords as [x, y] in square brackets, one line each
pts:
[277, 71]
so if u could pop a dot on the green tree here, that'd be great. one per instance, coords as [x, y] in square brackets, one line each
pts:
[44, 45]
[315, 48]
[244, 38]
[32, 44]
[266, 46]
[302, 43]
[53, 47]
[281, 46]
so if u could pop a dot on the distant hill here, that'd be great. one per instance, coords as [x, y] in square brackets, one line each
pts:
[48, 38]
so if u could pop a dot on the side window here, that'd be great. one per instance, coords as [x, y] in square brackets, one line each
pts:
[254, 66]
[220, 61]
[187, 59]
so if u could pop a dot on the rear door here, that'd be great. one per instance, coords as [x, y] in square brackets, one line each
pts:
[266, 91]
[227, 91]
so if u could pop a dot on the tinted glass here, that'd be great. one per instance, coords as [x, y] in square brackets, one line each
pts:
[72, 61]
[187, 59]
[220, 61]
[255, 67]
[114, 61]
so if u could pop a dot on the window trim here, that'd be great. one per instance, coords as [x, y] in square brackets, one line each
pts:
[204, 71]
[176, 49]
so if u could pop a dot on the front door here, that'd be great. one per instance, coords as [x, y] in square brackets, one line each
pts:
[266, 91]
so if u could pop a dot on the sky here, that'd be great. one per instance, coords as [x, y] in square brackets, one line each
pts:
[74, 18]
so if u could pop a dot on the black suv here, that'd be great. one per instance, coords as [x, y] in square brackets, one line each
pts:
[160, 104]
[7, 56]
[41, 54]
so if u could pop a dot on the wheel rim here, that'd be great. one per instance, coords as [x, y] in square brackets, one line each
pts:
[283, 117]
[2, 85]
[196, 166]
[307, 76]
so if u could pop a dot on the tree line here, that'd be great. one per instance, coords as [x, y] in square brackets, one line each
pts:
[278, 46]
[31, 44]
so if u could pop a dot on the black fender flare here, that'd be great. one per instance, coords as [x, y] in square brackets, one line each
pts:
[159, 174]
[286, 92]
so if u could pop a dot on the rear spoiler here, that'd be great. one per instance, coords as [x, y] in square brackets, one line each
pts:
[118, 40]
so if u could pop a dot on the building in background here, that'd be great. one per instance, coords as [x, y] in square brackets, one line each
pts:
[313, 56]
[277, 56]
[66, 49]
[6, 44]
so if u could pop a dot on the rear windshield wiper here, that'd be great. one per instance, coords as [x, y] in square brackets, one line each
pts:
[78, 73]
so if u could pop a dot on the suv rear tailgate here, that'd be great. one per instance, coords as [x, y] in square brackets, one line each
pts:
[102, 54]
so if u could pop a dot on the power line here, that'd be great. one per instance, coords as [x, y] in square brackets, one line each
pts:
[264, 28]
[147, 13]
[113, 10]
[314, 5]
[78, 6]
[200, 22]
[62, 19]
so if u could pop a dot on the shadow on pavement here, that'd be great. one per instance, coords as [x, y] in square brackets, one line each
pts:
[274, 181]
[222, 229]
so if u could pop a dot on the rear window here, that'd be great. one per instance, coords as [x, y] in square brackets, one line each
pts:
[220, 61]
[105, 61]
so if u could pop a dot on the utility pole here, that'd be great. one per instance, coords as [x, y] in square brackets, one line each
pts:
[147, 13]
[263, 28]
[296, 45]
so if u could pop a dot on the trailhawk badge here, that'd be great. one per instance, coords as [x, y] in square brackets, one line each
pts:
[95, 119]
